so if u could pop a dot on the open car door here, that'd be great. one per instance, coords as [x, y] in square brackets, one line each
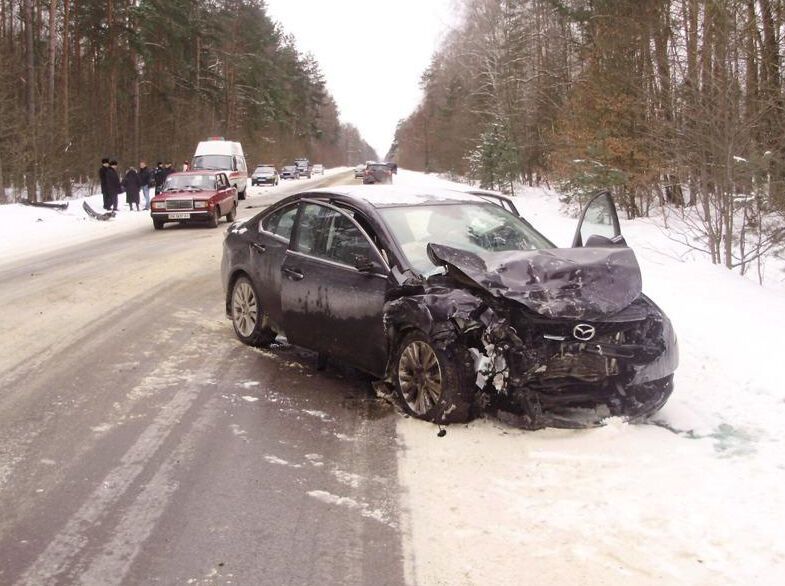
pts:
[599, 223]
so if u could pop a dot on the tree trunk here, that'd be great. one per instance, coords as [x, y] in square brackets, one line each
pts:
[66, 66]
[52, 57]
[30, 100]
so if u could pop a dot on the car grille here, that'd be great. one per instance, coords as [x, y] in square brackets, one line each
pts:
[179, 204]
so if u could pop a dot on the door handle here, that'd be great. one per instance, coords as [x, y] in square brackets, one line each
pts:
[293, 274]
[259, 247]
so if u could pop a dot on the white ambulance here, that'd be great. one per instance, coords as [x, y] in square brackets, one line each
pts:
[217, 154]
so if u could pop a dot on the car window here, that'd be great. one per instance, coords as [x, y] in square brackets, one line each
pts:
[376, 241]
[210, 162]
[309, 228]
[599, 219]
[344, 242]
[280, 222]
[326, 233]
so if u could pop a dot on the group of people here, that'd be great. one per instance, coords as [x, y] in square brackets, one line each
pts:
[133, 183]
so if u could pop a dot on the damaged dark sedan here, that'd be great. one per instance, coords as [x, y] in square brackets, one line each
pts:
[455, 301]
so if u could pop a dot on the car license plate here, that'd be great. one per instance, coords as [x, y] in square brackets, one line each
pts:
[179, 216]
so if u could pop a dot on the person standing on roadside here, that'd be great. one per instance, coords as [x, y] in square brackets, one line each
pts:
[102, 176]
[168, 169]
[160, 176]
[113, 186]
[145, 179]
[131, 185]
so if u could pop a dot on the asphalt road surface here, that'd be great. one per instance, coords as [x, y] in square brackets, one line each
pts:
[141, 443]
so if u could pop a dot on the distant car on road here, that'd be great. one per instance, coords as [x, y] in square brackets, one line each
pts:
[217, 154]
[290, 172]
[194, 196]
[359, 171]
[304, 167]
[377, 173]
[318, 169]
[264, 175]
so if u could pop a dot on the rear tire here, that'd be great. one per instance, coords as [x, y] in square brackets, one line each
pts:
[231, 215]
[434, 384]
[250, 322]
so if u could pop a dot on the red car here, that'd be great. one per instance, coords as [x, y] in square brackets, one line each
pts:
[194, 196]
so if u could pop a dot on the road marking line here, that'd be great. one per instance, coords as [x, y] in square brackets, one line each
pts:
[114, 562]
[71, 539]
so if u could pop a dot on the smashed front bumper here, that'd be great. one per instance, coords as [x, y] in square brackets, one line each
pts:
[536, 367]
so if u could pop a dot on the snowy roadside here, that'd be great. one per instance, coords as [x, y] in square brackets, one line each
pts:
[696, 499]
[27, 231]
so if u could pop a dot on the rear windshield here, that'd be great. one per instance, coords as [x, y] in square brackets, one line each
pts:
[212, 162]
[478, 228]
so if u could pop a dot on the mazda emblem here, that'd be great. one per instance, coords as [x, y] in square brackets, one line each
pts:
[583, 332]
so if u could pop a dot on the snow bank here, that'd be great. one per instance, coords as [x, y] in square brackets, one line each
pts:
[695, 497]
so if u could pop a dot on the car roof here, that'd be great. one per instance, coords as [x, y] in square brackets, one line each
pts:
[384, 196]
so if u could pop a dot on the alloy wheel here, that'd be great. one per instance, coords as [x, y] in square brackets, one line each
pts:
[245, 309]
[420, 377]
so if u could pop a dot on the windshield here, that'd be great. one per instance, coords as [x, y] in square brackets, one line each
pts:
[213, 162]
[478, 228]
[189, 182]
[264, 170]
[289, 168]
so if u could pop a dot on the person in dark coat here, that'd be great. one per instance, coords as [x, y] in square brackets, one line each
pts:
[145, 180]
[159, 177]
[102, 177]
[113, 186]
[131, 184]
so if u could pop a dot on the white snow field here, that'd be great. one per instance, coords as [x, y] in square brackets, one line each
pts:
[697, 497]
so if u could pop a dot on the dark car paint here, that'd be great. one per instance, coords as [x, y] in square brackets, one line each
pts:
[355, 325]
[571, 283]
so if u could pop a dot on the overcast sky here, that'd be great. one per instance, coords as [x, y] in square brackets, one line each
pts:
[372, 53]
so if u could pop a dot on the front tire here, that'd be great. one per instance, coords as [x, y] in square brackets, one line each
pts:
[214, 218]
[158, 224]
[248, 318]
[231, 215]
[433, 384]
[241, 194]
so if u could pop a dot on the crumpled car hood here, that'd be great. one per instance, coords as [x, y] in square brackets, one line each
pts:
[570, 283]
